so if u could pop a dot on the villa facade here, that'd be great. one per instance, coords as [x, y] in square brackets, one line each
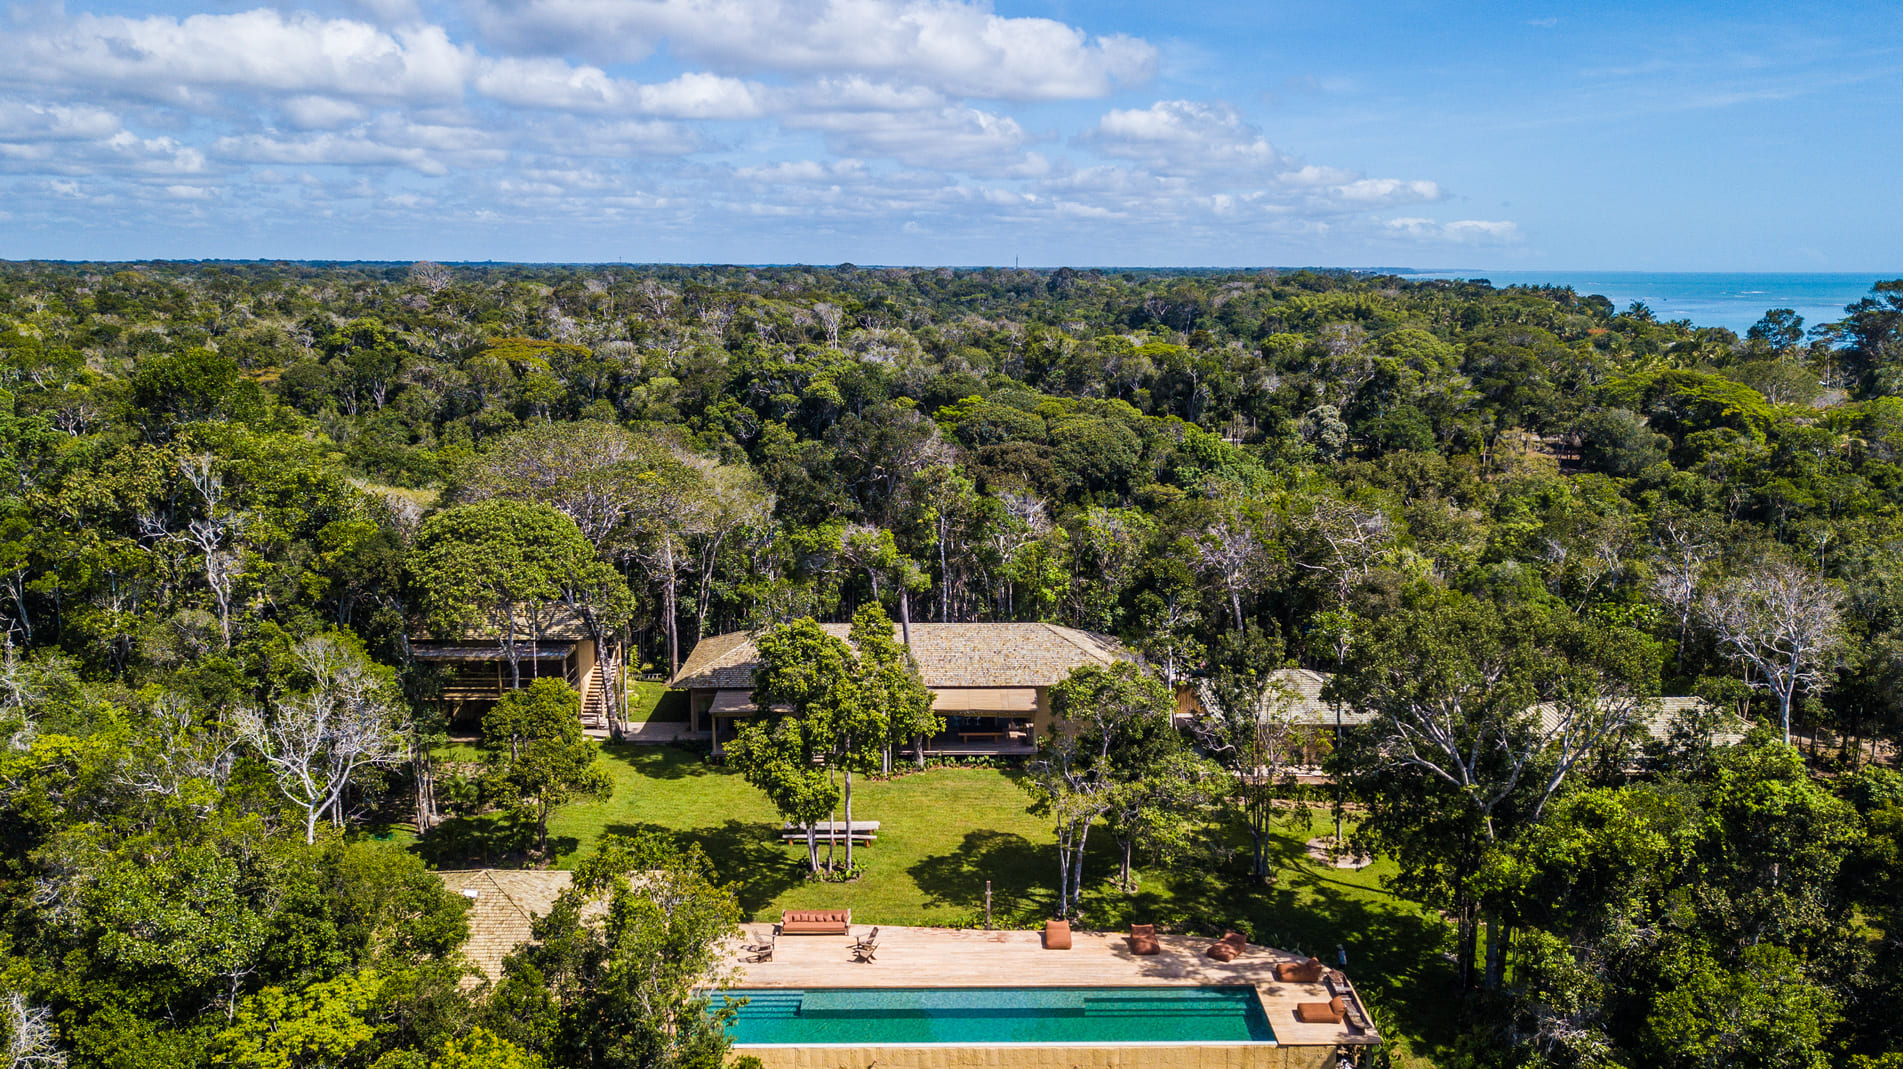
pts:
[475, 671]
[991, 682]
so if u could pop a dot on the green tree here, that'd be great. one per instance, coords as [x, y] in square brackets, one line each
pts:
[1108, 728]
[1250, 727]
[890, 681]
[325, 1025]
[777, 758]
[632, 954]
[816, 679]
[506, 566]
[1763, 1013]
[1480, 716]
[536, 756]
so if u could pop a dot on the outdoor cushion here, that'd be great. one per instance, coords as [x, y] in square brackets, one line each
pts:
[1143, 939]
[1229, 947]
[1056, 935]
[1301, 972]
[1321, 1012]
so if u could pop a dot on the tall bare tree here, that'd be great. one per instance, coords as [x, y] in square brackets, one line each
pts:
[319, 740]
[1232, 553]
[1781, 621]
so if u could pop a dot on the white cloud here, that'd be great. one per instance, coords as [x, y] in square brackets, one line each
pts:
[271, 115]
[696, 95]
[55, 122]
[425, 148]
[952, 138]
[320, 112]
[1461, 231]
[556, 85]
[1183, 136]
[958, 47]
[180, 60]
[1386, 190]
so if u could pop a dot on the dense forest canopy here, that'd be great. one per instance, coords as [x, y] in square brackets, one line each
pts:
[230, 486]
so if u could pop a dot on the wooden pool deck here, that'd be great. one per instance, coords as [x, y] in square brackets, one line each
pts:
[948, 957]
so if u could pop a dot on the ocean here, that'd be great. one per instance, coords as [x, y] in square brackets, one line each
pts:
[1727, 299]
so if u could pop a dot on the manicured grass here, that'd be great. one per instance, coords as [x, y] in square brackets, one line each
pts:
[653, 701]
[943, 833]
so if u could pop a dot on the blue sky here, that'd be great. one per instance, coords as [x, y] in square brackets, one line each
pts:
[1609, 136]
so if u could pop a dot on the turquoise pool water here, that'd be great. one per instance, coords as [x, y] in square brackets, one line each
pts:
[984, 1015]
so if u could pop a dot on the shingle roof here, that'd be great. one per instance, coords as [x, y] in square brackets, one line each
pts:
[1305, 705]
[501, 904]
[1660, 714]
[949, 655]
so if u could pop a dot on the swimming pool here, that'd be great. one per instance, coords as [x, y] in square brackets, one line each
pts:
[988, 1015]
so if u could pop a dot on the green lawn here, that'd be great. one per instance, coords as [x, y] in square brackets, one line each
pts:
[945, 832]
[653, 701]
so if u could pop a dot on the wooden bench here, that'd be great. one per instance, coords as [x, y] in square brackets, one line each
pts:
[970, 735]
[858, 838]
[862, 832]
[816, 922]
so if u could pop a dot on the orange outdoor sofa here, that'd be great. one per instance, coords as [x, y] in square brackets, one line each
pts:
[816, 922]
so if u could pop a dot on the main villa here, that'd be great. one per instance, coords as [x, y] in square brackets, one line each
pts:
[991, 682]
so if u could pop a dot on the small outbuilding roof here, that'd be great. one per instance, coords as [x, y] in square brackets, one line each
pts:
[950, 656]
[501, 904]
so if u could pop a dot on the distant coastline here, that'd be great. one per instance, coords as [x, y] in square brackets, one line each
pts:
[1733, 299]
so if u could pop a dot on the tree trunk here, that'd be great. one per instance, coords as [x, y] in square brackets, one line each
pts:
[423, 768]
[849, 820]
[1496, 953]
[668, 606]
[1784, 711]
[1077, 869]
[1466, 946]
[1063, 873]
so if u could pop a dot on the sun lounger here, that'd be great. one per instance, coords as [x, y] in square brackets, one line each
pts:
[1143, 939]
[1301, 972]
[816, 922]
[1329, 1012]
[1229, 947]
[863, 950]
[1056, 935]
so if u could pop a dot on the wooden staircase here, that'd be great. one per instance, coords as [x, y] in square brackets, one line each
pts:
[597, 704]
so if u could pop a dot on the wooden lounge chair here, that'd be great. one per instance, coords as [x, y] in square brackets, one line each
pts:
[863, 950]
[1229, 947]
[1143, 939]
[1329, 1012]
[816, 922]
[1301, 972]
[1056, 935]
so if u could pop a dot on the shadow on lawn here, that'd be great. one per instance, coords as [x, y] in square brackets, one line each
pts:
[492, 840]
[1010, 861]
[656, 762]
[747, 857]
